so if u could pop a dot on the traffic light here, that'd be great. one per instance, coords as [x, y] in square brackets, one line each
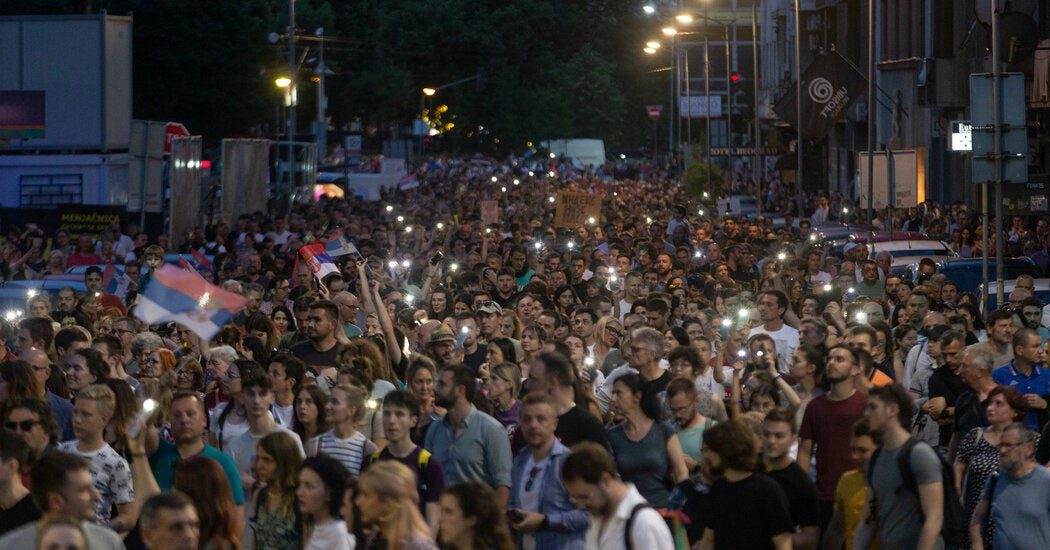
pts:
[735, 78]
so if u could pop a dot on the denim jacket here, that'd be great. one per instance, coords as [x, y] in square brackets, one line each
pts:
[566, 524]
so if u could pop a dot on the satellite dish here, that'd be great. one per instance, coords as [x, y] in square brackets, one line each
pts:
[1018, 36]
[273, 37]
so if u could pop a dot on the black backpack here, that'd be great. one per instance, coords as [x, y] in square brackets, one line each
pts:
[627, 543]
[955, 525]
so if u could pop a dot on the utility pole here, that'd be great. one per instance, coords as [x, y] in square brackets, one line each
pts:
[756, 169]
[997, 144]
[798, 105]
[294, 98]
[871, 115]
[322, 101]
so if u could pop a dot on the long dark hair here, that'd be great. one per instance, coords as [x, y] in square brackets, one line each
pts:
[335, 477]
[649, 404]
[477, 500]
[319, 398]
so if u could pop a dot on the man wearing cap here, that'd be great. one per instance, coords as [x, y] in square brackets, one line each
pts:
[489, 316]
[441, 346]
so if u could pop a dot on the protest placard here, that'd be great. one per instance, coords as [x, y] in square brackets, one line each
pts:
[489, 212]
[576, 209]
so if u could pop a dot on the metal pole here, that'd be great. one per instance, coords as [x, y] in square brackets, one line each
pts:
[671, 106]
[729, 111]
[293, 95]
[798, 104]
[688, 106]
[756, 169]
[871, 112]
[322, 104]
[997, 141]
[890, 169]
[984, 249]
[422, 110]
[707, 114]
[678, 103]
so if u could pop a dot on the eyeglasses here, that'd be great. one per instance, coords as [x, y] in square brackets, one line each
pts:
[1009, 446]
[23, 426]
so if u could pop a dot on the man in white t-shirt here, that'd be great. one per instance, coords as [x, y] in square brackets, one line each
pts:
[109, 471]
[257, 395]
[593, 483]
[771, 307]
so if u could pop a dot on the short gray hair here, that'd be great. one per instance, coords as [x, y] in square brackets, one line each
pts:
[1027, 434]
[146, 342]
[650, 338]
[981, 357]
[224, 353]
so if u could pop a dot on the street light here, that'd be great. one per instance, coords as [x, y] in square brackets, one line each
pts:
[684, 18]
[282, 82]
[429, 91]
[653, 44]
[669, 31]
[649, 50]
[649, 10]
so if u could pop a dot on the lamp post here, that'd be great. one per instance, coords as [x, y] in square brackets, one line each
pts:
[427, 92]
[293, 97]
[798, 105]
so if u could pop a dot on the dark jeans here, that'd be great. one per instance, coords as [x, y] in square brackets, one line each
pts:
[824, 511]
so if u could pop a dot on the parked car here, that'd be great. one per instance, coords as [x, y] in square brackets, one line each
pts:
[967, 275]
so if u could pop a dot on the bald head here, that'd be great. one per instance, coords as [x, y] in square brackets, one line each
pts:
[39, 361]
[424, 332]
[934, 318]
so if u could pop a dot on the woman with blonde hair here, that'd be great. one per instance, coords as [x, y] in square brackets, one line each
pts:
[379, 371]
[38, 306]
[607, 334]
[503, 387]
[387, 499]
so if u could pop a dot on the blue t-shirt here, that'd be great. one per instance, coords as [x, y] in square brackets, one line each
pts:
[1038, 382]
[1020, 509]
[166, 457]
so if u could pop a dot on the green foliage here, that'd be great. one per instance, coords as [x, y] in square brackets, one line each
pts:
[551, 68]
[700, 177]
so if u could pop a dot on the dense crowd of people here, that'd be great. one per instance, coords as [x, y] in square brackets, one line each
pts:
[660, 377]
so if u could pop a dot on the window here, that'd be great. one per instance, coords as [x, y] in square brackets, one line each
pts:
[44, 191]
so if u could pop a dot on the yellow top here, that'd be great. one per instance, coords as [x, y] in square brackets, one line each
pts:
[849, 500]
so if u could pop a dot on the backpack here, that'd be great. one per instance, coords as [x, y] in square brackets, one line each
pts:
[423, 460]
[955, 524]
[630, 521]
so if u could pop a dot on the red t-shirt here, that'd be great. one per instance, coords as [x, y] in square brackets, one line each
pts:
[829, 424]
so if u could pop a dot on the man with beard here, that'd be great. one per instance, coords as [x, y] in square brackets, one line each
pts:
[321, 350]
[471, 445]
[620, 516]
[662, 266]
[827, 425]
[1032, 316]
[67, 312]
[1021, 493]
[683, 400]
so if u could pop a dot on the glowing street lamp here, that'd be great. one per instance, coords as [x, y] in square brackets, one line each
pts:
[653, 44]
[282, 81]
[684, 18]
[649, 51]
[429, 91]
[649, 10]
[669, 31]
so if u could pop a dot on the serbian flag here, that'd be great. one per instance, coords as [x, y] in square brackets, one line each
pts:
[340, 246]
[186, 298]
[114, 283]
[201, 260]
[318, 260]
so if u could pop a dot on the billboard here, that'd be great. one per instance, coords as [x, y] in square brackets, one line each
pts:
[22, 114]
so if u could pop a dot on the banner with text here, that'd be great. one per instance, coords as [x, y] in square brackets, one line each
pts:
[576, 209]
[696, 106]
[829, 86]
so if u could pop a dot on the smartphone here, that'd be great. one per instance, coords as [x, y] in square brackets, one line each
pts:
[462, 337]
[436, 259]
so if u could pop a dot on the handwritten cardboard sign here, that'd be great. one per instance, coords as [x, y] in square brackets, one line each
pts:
[489, 212]
[576, 209]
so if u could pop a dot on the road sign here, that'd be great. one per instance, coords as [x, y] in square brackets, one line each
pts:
[1014, 134]
[962, 136]
[654, 111]
[173, 130]
[695, 106]
[352, 147]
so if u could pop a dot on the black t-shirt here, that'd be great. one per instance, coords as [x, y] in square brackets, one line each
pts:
[947, 384]
[578, 425]
[657, 387]
[23, 512]
[313, 358]
[474, 360]
[970, 413]
[801, 494]
[767, 513]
